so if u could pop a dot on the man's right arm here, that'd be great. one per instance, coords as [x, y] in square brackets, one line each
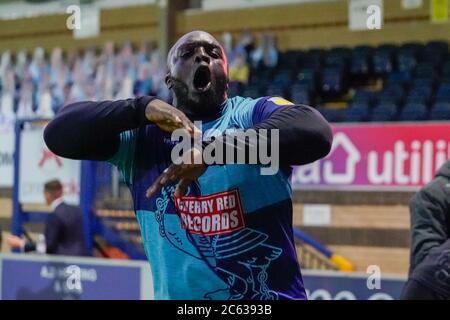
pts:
[91, 130]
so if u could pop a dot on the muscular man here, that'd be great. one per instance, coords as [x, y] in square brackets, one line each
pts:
[217, 231]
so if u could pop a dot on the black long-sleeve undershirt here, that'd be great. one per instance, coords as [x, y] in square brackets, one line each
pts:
[90, 130]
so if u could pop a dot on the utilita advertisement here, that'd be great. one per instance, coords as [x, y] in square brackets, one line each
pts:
[397, 157]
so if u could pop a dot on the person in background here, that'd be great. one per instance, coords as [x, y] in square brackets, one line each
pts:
[63, 229]
[266, 54]
[246, 42]
[21, 64]
[158, 72]
[227, 43]
[27, 99]
[7, 98]
[239, 70]
[38, 66]
[429, 275]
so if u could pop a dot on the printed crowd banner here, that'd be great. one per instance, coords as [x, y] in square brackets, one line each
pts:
[397, 157]
[6, 156]
[38, 165]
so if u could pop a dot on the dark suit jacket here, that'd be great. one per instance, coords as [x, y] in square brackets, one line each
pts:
[64, 233]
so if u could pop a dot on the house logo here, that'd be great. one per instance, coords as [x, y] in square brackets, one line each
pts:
[341, 140]
[333, 169]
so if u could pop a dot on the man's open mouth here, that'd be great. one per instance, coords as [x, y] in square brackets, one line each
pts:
[202, 79]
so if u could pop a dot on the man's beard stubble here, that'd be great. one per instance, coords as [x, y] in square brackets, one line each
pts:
[205, 106]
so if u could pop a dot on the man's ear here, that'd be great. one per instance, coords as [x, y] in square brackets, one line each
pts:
[168, 81]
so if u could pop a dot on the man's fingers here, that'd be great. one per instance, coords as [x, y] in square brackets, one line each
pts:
[182, 187]
[157, 185]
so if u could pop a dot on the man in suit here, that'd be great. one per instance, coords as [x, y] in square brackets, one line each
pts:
[63, 229]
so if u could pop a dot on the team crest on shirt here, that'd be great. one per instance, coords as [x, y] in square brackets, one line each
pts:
[214, 214]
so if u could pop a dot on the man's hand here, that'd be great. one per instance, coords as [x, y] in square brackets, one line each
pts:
[186, 172]
[168, 118]
[14, 241]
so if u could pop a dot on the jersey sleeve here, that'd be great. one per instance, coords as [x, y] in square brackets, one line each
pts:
[252, 112]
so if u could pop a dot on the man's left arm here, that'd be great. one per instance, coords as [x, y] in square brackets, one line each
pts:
[304, 135]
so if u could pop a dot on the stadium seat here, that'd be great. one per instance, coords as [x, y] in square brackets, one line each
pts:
[235, 88]
[399, 77]
[413, 112]
[362, 96]
[275, 90]
[307, 77]
[251, 92]
[283, 79]
[391, 94]
[332, 115]
[384, 112]
[406, 61]
[357, 112]
[443, 92]
[440, 111]
[332, 81]
[420, 94]
[300, 97]
[383, 59]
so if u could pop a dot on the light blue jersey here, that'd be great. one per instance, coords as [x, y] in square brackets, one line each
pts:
[231, 236]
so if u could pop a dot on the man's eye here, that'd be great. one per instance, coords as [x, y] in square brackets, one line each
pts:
[186, 54]
[216, 53]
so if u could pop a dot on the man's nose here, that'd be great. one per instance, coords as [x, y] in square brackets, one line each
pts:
[201, 56]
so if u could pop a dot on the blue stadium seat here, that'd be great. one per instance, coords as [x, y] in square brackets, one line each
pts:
[332, 81]
[251, 92]
[391, 94]
[283, 79]
[413, 112]
[307, 77]
[383, 59]
[406, 61]
[443, 92]
[399, 77]
[421, 94]
[275, 90]
[435, 52]
[363, 97]
[357, 112]
[235, 88]
[300, 97]
[332, 115]
[312, 59]
[440, 111]
[384, 112]
[425, 71]
[360, 61]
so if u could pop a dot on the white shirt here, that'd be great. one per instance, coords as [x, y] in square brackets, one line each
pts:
[55, 203]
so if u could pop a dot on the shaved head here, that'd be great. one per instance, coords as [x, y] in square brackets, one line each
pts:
[192, 36]
[198, 75]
